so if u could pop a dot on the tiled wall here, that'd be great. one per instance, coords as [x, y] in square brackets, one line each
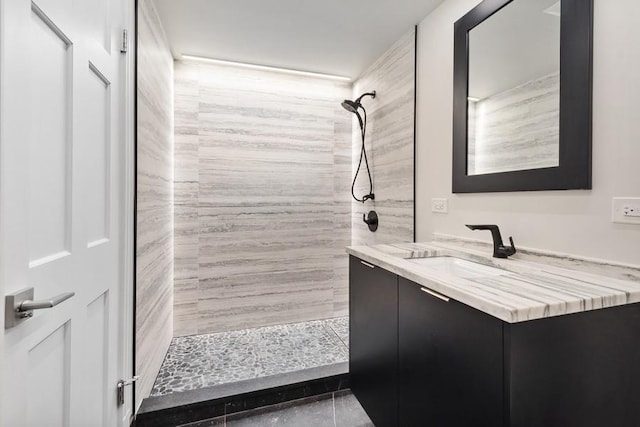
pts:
[516, 129]
[390, 145]
[154, 240]
[262, 187]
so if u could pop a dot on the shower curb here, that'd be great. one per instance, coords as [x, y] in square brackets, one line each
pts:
[226, 399]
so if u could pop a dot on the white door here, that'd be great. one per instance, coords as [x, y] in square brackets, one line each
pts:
[61, 197]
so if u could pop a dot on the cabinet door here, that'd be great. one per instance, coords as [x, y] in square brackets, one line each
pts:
[576, 370]
[450, 362]
[373, 340]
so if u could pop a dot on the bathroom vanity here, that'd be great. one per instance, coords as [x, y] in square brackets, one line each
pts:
[445, 336]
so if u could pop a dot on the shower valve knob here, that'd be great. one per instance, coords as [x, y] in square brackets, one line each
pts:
[371, 219]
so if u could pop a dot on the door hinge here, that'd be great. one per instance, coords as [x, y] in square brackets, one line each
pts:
[125, 42]
[121, 385]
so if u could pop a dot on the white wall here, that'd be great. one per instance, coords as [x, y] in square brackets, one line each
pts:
[574, 222]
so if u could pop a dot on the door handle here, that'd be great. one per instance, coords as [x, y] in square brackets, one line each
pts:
[28, 305]
[19, 305]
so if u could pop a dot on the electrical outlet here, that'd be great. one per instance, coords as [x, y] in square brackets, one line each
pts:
[631, 210]
[626, 210]
[439, 206]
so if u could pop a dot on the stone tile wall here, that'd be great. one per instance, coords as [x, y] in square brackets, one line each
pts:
[262, 187]
[390, 145]
[154, 239]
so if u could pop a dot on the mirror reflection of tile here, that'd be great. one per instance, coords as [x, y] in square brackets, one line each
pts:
[517, 129]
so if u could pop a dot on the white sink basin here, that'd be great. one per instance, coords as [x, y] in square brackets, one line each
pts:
[458, 267]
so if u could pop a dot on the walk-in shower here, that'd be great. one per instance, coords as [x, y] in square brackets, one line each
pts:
[244, 211]
[259, 298]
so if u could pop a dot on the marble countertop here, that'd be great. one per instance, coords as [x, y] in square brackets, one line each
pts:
[526, 291]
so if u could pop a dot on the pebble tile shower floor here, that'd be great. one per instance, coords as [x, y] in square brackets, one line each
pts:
[198, 361]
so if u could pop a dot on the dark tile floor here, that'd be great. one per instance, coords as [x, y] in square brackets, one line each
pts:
[200, 361]
[339, 409]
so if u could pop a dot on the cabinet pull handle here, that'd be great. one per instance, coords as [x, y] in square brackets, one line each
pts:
[435, 294]
[367, 264]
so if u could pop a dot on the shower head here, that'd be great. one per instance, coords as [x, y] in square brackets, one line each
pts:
[350, 106]
[353, 106]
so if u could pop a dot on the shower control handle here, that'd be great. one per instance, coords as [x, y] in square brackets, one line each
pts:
[371, 219]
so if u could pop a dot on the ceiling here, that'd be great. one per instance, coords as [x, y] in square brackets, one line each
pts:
[338, 37]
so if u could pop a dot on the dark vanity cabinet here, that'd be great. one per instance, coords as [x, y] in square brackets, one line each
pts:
[373, 326]
[419, 358]
[450, 361]
[416, 359]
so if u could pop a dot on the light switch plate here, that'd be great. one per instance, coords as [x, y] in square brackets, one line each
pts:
[439, 206]
[626, 210]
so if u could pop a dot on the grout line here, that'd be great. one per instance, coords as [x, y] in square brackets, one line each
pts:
[346, 345]
[332, 330]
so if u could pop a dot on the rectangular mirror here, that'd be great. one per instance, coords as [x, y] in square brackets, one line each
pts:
[522, 96]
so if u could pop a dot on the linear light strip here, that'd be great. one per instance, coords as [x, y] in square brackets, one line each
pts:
[265, 68]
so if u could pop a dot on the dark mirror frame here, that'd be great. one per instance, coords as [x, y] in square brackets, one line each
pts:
[576, 64]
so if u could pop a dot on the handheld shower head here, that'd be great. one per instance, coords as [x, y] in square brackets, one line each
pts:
[353, 106]
[350, 106]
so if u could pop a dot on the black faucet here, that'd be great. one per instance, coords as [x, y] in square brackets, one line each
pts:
[499, 249]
